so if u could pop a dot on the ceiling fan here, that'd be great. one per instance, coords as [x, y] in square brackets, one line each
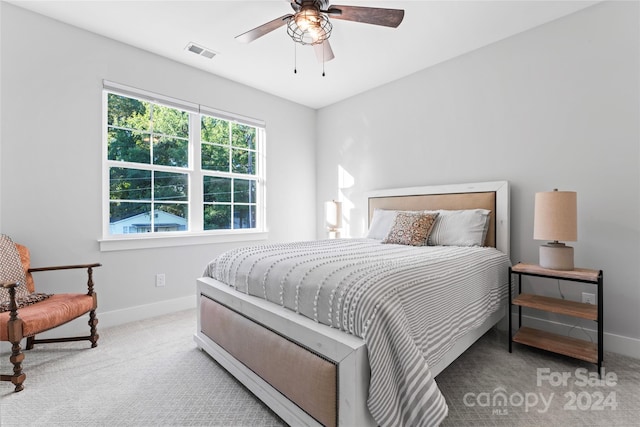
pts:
[310, 24]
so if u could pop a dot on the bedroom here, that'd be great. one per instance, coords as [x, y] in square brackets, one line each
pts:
[556, 106]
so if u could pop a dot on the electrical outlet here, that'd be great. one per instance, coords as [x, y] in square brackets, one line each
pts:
[588, 298]
[160, 279]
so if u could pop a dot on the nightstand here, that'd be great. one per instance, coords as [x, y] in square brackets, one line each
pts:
[568, 346]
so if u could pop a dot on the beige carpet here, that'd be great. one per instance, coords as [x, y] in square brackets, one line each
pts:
[146, 373]
[150, 373]
[558, 389]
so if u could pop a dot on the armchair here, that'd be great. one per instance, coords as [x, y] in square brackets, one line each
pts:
[28, 313]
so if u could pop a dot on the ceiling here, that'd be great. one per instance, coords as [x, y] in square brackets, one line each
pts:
[366, 56]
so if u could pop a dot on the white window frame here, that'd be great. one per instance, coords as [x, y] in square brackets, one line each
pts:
[195, 233]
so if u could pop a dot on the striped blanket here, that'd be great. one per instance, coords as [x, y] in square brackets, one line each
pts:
[409, 304]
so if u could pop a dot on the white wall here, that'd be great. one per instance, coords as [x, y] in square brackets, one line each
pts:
[554, 107]
[50, 170]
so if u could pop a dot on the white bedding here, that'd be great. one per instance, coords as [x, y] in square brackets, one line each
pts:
[409, 304]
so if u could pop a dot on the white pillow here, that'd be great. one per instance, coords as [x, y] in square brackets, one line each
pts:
[381, 223]
[460, 228]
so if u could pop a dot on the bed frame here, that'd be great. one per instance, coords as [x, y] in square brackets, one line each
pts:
[335, 393]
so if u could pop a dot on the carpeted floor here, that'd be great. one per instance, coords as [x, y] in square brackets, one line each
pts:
[538, 388]
[150, 373]
[146, 373]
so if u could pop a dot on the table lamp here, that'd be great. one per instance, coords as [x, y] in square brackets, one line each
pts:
[333, 217]
[555, 220]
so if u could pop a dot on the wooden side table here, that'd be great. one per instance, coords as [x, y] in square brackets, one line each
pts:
[568, 346]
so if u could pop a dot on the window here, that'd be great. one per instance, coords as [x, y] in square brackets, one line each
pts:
[173, 167]
[229, 154]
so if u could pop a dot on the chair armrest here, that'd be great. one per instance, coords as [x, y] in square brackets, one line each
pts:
[64, 267]
[8, 285]
[89, 268]
[13, 306]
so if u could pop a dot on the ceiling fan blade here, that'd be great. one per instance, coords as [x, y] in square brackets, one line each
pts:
[367, 15]
[323, 51]
[263, 29]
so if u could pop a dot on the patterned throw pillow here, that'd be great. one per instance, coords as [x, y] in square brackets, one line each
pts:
[411, 228]
[24, 301]
[11, 269]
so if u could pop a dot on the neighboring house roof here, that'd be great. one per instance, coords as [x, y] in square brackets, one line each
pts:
[161, 218]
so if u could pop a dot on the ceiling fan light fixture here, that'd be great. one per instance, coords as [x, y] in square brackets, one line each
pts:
[307, 19]
[309, 23]
[309, 26]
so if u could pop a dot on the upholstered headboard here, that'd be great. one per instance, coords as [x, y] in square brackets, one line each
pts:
[493, 196]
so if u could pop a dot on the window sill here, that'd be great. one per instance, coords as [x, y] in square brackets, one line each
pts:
[165, 240]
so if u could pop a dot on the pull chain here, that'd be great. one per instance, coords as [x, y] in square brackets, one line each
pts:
[295, 59]
[323, 59]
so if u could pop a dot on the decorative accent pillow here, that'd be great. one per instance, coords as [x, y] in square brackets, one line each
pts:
[411, 228]
[381, 223]
[11, 269]
[24, 301]
[460, 228]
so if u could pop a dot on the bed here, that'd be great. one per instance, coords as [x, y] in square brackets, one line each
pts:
[315, 368]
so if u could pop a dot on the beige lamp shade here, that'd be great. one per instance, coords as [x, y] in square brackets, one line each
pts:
[556, 219]
[556, 216]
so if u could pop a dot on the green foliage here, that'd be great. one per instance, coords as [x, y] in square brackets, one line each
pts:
[243, 161]
[151, 134]
[170, 186]
[217, 189]
[220, 193]
[243, 136]
[244, 191]
[181, 210]
[130, 146]
[214, 134]
[129, 184]
[171, 152]
[215, 157]
[217, 146]
[169, 121]
[128, 112]
[217, 217]
[121, 210]
[214, 130]
[245, 216]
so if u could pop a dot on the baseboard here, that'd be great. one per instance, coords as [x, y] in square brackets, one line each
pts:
[140, 312]
[626, 346]
[116, 317]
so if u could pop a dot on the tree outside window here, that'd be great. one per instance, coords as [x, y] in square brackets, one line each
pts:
[150, 169]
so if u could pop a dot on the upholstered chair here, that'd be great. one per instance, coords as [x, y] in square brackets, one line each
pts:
[24, 313]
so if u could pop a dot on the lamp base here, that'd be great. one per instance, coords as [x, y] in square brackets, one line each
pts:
[334, 233]
[556, 256]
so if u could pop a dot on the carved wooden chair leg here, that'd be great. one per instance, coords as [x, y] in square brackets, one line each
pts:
[14, 329]
[16, 358]
[30, 342]
[93, 322]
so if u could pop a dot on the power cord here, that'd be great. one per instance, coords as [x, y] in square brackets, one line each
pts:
[575, 325]
[560, 290]
[582, 329]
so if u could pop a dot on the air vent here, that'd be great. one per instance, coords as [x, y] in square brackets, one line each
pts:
[199, 50]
